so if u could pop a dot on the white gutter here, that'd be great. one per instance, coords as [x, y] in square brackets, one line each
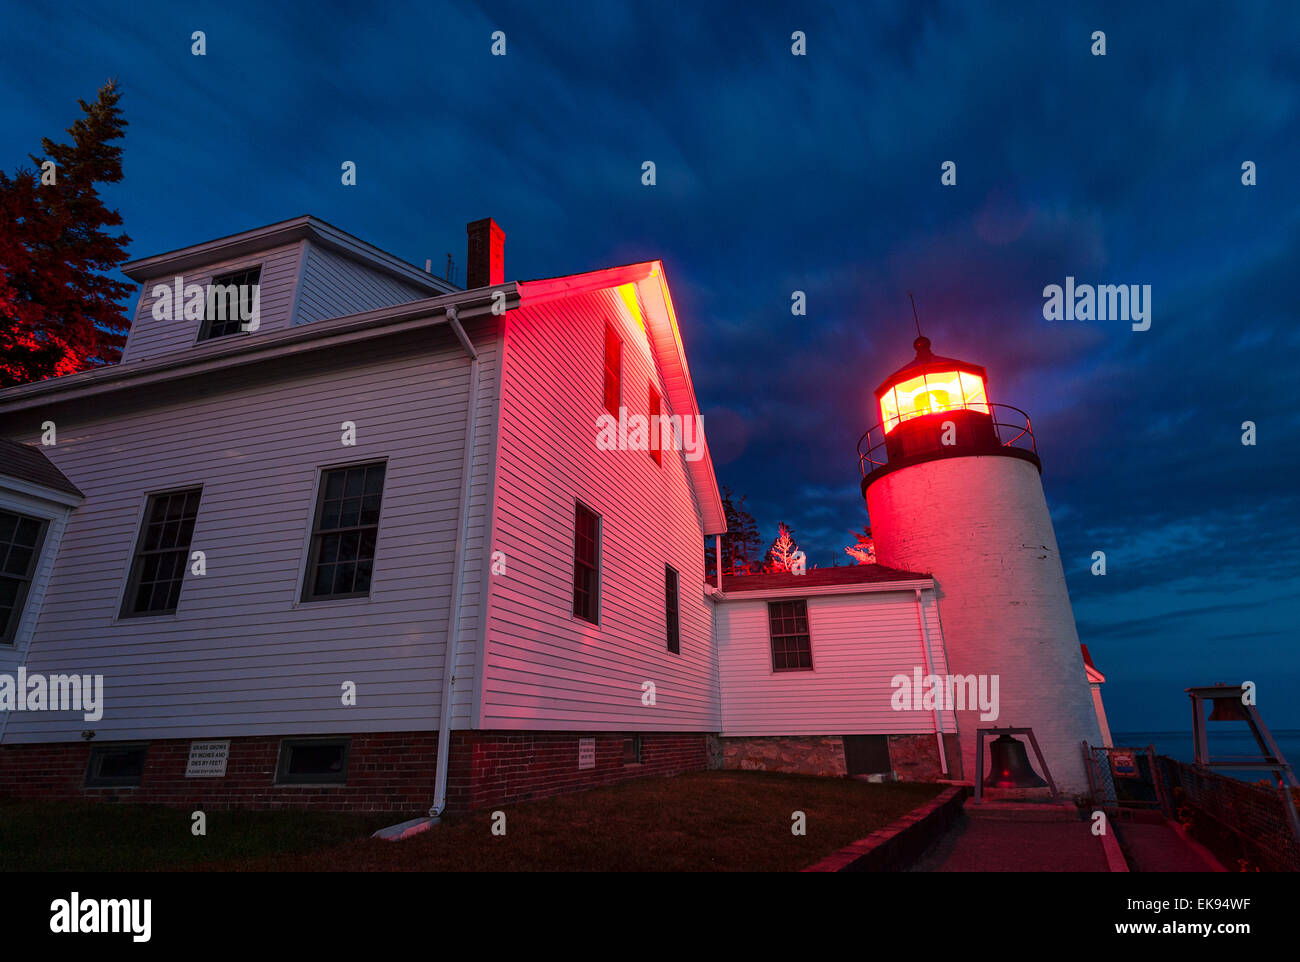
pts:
[846, 589]
[929, 670]
[458, 573]
[213, 357]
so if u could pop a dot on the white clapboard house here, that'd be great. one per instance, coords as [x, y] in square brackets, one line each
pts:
[373, 544]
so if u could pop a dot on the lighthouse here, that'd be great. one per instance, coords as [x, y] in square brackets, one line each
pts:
[953, 487]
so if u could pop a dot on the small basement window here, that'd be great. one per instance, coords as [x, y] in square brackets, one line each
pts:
[632, 750]
[313, 761]
[115, 766]
[867, 754]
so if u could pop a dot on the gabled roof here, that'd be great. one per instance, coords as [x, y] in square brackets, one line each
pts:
[666, 341]
[22, 462]
[278, 235]
[1094, 676]
[820, 578]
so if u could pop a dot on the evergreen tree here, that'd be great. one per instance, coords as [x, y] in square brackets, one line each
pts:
[59, 313]
[739, 544]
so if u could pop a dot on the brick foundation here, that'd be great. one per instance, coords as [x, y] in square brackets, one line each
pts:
[387, 772]
[494, 768]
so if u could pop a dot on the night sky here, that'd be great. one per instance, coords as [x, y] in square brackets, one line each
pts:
[818, 173]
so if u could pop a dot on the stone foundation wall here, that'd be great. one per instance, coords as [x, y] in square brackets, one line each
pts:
[796, 754]
[913, 758]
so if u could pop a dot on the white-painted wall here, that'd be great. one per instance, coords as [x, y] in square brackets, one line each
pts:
[242, 656]
[980, 525]
[859, 642]
[300, 283]
[545, 668]
[151, 337]
[335, 285]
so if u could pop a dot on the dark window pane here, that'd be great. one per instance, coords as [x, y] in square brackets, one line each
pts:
[586, 564]
[671, 609]
[307, 762]
[19, 560]
[27, 531]
[790, 639]
[158, 569]
[346, 532]
[226, 295]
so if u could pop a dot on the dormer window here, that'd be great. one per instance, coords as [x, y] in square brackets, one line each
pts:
[232, 304]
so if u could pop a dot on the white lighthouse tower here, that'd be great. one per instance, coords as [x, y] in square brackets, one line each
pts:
[953, 487]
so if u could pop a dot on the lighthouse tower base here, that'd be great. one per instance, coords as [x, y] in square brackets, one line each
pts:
[980, 526]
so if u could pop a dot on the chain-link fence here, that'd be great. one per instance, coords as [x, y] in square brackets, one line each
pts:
[1241, 822]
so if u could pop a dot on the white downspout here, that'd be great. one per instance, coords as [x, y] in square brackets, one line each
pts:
[929, 670]
[458, 574]
[717, 550]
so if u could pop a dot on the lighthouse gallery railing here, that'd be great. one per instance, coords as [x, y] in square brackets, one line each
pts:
[1010, 426]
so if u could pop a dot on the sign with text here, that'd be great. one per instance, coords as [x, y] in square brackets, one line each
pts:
[1124, 764]
[208, 759]
[586, 753]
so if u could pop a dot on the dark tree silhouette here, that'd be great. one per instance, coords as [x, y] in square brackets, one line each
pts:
[740, 545]
[59, 312]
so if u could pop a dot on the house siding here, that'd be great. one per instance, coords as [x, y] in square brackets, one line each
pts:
[151, 337]
[335, 285]
[544, 668]
[242, 656]
[859, 643]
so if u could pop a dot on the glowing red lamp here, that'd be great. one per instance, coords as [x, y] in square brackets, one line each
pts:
[931, 385]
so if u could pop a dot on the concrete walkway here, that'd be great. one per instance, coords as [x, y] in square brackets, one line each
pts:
[1158, 847]
[1023, 844]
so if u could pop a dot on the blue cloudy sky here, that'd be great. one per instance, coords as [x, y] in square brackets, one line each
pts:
[818, 173]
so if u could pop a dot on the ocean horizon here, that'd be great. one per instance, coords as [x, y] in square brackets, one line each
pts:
[1223, 742]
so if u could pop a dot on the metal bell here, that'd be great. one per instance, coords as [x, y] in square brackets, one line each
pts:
[1010, 765]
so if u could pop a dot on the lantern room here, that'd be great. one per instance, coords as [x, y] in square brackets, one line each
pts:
[931, 385]
[938, 407]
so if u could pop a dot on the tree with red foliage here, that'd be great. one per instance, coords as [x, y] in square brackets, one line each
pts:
[780, 557]
[59, 313]
[864, 552]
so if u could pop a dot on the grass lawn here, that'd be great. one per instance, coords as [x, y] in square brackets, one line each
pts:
[90, 837]
[703, 821]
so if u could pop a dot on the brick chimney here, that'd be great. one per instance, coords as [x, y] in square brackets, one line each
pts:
[485, 264]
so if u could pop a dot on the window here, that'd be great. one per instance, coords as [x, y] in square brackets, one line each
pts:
[632, 750]
[162, 554]
[342, 557]
[613, 369]
[313, 761]
[656, 429]
[586, 564]
[115, 766]
[791, 643]
[866, 754]
[20, 546]
[231, 299]
[671, 610]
